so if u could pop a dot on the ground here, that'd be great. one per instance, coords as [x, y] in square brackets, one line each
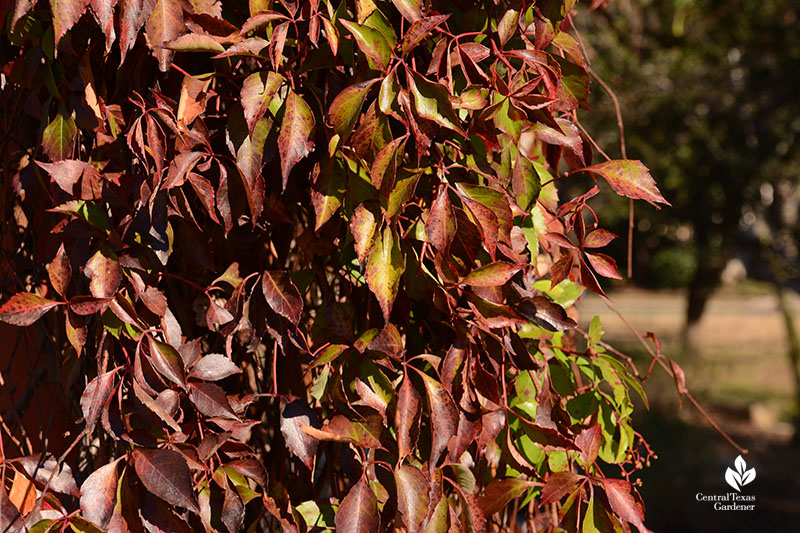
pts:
[738, 369]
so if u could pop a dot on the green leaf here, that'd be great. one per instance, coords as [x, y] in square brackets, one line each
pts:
[258, 90]
[439, 521]
[346, 107]
[372, 43]
[328, 191]
[384, 168]
[377, 21]
[294, 140]
[432, 102]
[525, 182]
[58, 139]
[385, 266]
[629, 178]
[410, 9]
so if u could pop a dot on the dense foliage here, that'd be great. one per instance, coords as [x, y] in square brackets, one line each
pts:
[307, 267]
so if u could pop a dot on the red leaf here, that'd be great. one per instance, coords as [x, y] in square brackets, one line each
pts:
[598, 238]
[293, 415]
[441, 224]
[95, 398]
[259, 20]
[294, 140]
[24, 308]
[167, 361]
[492, 275]
[604, 265]
[358, 512]
[559, 239]
[211, 400]
[406, 418]
[214, 367]
[104, 13]
[629, 178]
[444, 417]
[166, 474]
[419, 30]
[87, 305]
[65, 14]
[561, 269]
[60, 271]
[589, 441]
[67, 172]
[99, 494]
[625, 502]
[412, 496]
[499, 492]
[164, 24]
[47, 469]
[282, 295]
[133, 15]
[559, 485]
[258, 90]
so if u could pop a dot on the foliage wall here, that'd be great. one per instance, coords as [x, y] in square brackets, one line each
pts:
[305, 265]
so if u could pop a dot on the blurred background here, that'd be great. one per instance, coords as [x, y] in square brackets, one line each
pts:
[709, 91]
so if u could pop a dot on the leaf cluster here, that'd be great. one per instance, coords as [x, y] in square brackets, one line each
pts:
[311, 269]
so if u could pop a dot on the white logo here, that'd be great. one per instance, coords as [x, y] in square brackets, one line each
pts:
[741, 476]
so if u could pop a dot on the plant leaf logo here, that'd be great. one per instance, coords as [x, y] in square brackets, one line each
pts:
[741, 476]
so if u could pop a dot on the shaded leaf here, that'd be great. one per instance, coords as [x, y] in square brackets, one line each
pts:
[282, 295]
[406, 417]
[166, 474]
[295, 414]
[542, 311]
[48, 469]
[589, 441]
[58, 139]
[24, 308]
